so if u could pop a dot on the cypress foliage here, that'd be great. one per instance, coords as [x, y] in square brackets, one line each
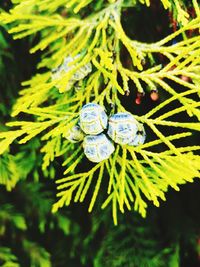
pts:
[136, 57]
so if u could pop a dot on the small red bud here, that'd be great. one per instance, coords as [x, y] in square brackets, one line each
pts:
[154, 95]
[138, 100]
[184, 78]
[139, 97]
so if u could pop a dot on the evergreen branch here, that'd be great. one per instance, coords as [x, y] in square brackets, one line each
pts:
[136, 174]
[7, 138]
[8, 258]
[159, 141]
[29, 130]
[170, 100]
[9, 171]
[76, 182]
[38, 254]
[96, 190]
[51, 150]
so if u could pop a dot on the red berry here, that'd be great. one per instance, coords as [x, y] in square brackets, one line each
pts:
[184, 78]
[154, 95]
[138, 100]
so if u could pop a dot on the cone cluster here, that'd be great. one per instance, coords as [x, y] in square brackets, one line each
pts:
[67, 66]
[99, 133]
